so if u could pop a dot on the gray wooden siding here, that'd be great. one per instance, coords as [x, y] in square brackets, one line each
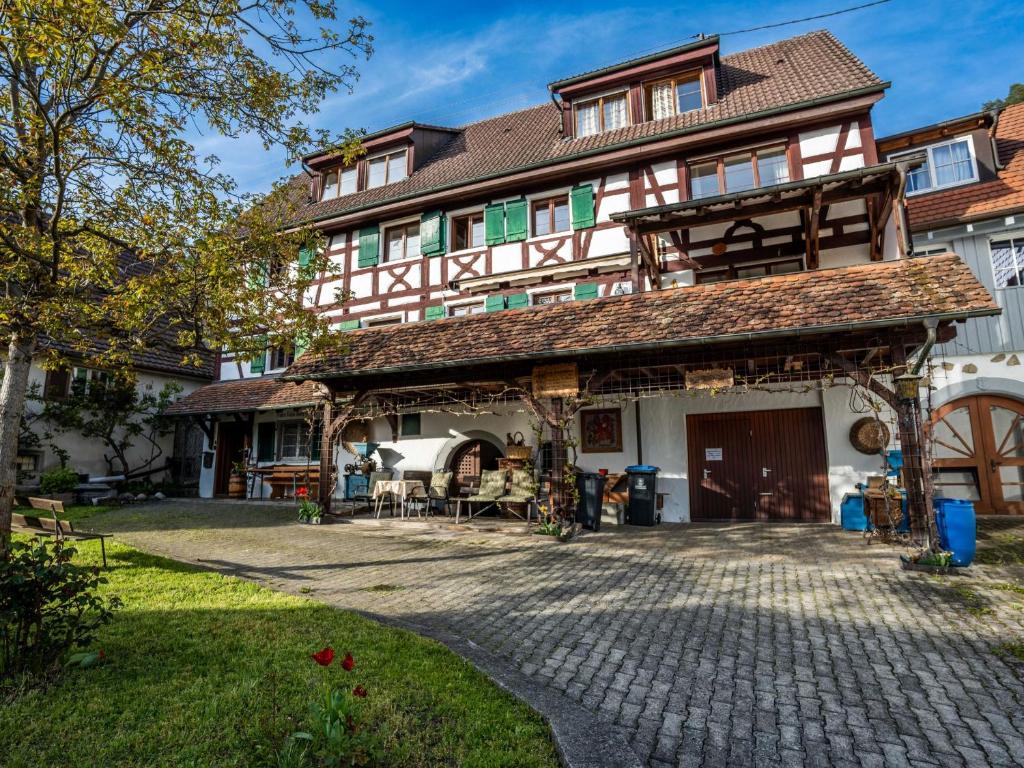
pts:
[987, 335]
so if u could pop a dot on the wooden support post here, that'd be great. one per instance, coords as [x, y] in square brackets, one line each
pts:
[558, 457]
[325, 488]
[634, 262]
[812, 227]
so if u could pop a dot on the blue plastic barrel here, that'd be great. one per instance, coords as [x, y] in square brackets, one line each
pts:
[958, 529]
[852, 513]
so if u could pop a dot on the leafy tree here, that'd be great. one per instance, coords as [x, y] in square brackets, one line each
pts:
[117, 414]
[1014, 96]
[114, 235]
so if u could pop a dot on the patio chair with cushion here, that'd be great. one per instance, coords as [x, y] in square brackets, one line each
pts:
[521, 493]
[434, 496]
[367, 497]
[492, 488]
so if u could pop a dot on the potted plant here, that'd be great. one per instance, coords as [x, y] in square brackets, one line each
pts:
[59, 484]
[309, 511]
[236, 483]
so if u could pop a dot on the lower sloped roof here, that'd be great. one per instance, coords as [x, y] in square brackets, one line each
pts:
[265, 393]
[878, 294]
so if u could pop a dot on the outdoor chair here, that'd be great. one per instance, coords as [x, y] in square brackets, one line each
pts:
[492, 488]
[521, 493]
[367, 497]
[434, 496]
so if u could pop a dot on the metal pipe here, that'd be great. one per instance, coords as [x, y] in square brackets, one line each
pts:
[919, 355]
[561, 114]
[1000, 165]
[639, 433]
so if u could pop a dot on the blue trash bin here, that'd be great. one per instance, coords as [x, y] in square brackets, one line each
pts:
[852, 513]
[958, 529]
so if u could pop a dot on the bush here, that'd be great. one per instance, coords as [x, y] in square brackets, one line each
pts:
[48, 606]
[60, 480]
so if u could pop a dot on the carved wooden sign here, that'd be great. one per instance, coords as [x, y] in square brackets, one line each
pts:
[709, 378]
[555, 380]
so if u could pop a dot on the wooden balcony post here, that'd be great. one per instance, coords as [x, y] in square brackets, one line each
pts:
[326, 457]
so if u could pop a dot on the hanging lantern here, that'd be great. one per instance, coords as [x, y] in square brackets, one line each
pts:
[908, 386]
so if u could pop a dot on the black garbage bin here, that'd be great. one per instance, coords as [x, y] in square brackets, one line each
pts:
[591, 488]
[643, 493]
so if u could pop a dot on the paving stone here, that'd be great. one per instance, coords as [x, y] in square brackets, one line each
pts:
[805, 650]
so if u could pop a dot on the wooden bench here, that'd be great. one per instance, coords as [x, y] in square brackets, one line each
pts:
[286, 477]
[53, 525]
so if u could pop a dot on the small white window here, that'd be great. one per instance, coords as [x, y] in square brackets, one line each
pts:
[387, 169]
[704, 180]
[946, 165]
[349, 181]
[605, 113]
[932, 249]
[553, 297]
[1008, 262]
[466, 309]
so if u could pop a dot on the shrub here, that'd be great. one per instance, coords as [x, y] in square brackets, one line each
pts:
[60, 480]
[48, 606]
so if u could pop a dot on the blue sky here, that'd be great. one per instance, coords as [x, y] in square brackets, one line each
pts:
[450, 63]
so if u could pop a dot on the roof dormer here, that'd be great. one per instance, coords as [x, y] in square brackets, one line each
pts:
[654, 87]
[386, 157]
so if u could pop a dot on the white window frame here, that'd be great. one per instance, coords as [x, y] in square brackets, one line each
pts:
[270, 359]
[300, 446]
[387, 177]
[931, 248]
[384, 229]
[1014, 237]
[464, 303]
[547, 290]
[929, 150]
[365, 322]
[598, 97]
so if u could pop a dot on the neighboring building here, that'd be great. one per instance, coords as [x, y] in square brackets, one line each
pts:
[176, 453]
[969, 199]
[710, 240]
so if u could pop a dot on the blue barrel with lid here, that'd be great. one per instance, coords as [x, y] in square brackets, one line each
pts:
[958, 529]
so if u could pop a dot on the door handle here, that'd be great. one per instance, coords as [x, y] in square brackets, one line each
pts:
[995, 464]
[707, 473]
[765, 471]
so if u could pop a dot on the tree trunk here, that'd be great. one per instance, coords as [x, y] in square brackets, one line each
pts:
[13, 389]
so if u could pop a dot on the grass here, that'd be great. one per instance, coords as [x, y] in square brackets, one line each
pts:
[975, 604]
[197, 663]
[75, 512]
[1016, 650]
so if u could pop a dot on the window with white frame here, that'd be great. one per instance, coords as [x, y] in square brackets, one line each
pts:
[338, 183]
[932, 249]
[1008, 261]
[673, 95]
[293, 440]
[85, 380]
[458, 310]
[946, 165]
[386, 169]
[282, 356]
[553, 297]
[379, 322]
[403, 242]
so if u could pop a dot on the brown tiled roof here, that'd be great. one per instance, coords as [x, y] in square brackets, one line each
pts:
[154, 358]
[266, 393]
[791, 72]
[882, 293]
[976, 201]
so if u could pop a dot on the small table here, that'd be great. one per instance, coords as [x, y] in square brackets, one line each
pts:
[400, 488]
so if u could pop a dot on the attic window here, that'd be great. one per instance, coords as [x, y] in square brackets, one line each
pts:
[605, 113]
[338, 183]
[387, 169]
[674, 95]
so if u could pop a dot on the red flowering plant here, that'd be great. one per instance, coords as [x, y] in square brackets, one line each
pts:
[337, 735]
[309, 510]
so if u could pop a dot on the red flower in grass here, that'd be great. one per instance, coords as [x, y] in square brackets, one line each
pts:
[348, 663]
[324, 657]
[359, 692]
[302, 492]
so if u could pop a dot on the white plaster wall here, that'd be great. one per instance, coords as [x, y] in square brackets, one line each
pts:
[507, 257]
[606, 242]
[819, 142]
[86, 455]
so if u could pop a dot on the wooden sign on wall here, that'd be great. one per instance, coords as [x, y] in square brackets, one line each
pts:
[709, 378]
[555, 380]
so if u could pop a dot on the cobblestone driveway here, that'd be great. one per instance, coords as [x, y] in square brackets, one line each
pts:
[711, 644]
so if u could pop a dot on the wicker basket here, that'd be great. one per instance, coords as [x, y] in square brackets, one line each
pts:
[519, 452]
[869, 435]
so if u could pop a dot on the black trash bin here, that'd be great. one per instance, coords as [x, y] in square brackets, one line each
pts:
[643, 493]
[591, 488]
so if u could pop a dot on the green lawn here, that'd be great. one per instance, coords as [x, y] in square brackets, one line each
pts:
[193, 658]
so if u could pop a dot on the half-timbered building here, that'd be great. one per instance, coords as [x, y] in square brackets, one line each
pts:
[703, 252]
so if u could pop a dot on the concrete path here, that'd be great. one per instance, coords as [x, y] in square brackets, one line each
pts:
[707, 644]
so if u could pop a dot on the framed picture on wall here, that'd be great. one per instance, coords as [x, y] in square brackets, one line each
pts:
[601, 431]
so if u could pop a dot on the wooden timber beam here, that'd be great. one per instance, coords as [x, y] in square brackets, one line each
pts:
[206, 425]
[813, 222]
[330, 428]
[651, 262]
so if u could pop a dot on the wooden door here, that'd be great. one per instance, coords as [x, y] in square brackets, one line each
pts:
[470, 460]
[978, 453]
[721, 466]
[758, 465]
[230, 450]
[792, 471]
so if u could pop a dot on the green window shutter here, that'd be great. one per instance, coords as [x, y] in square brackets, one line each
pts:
[518, 301]
[433, 227]
[433, 313]
[515, 220]
[259, 364]
[349, 325]
[266, 441]
[259, 275]
[369, 245]
[585, 291]
[582, 206]
[300, 345]
[494, 224]
[305, 256]
[494, 303]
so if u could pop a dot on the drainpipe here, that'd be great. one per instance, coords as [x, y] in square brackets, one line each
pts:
[639, 433]
[1000, 165]
[921, 353]
[561, 114]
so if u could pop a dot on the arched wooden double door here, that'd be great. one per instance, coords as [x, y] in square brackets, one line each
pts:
[470, 460]
[978, 452]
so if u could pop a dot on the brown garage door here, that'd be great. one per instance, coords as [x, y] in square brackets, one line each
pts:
[758, 465]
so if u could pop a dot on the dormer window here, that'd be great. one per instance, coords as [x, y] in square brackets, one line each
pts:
[947, 165]
[338, 183]
[674, 95]
[605, 113]
[387, 169]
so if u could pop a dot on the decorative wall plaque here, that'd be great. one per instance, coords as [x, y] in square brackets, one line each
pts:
[556, 380]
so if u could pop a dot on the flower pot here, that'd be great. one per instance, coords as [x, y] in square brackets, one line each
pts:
[236, 487]
[310, 522]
